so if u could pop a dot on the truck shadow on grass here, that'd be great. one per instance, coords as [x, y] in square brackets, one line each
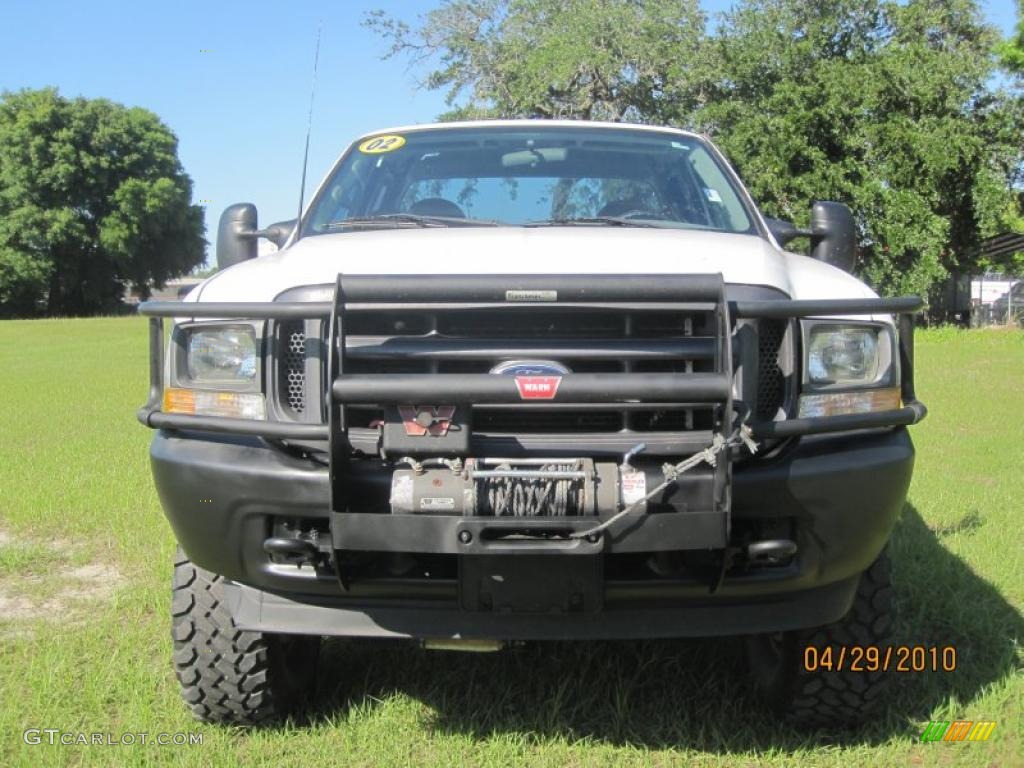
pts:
[688, 694]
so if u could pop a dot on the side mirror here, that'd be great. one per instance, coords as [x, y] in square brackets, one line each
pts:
[236, 235]
[784, 231]
[278, 232]
[833, 235]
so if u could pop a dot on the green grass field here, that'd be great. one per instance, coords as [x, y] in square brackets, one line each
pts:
[85, 562]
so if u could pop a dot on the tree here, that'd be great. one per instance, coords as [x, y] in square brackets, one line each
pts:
[586, 59]
[92, 199]
[1011, 51]
[883, 104]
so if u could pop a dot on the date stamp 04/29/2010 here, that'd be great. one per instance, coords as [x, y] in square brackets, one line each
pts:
[874, 658]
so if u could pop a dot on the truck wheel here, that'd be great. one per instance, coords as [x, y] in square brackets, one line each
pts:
[229, 675]
[824, 697]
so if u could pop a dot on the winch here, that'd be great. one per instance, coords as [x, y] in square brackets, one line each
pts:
[501, 487]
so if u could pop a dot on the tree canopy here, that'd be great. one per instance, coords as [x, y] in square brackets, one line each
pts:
[1012, 51]
[92, 199]
[887, 106]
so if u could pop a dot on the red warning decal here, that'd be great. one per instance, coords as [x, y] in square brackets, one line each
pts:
[538, 387]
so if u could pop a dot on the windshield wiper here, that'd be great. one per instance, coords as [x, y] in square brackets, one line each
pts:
[398, 220]
[611, 221]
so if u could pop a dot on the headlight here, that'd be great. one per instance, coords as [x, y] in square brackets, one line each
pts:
[222, 355]
[850, 368]
[843, 355]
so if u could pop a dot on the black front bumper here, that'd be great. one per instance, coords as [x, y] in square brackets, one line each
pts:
[834, 489]
[843, 492]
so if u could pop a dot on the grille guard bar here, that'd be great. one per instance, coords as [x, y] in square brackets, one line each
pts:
[356, 293]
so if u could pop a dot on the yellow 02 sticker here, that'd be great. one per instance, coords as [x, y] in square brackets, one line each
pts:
[379, 144]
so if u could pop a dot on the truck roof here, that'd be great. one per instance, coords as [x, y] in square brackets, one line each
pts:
[530, 123]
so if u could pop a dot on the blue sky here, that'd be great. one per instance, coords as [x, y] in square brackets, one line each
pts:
[239, 110]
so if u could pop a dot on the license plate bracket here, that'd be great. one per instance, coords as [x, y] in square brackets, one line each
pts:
[531, 583]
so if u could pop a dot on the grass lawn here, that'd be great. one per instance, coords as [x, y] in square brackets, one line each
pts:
[85, 562]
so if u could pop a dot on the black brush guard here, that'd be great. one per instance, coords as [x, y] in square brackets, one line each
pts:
[705, 528]
[702, 527]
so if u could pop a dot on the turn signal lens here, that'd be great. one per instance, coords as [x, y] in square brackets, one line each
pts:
[839, 403]
[200, 402]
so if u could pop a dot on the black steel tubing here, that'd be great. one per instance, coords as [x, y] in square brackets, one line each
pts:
[488, 388]
[235, 309]
[568, 288]
[433, 290]
[911, 413]
[525, 307]
[764, 309]
[810, 308]
[277, 429]
[906, 332]
[426, 347]
[156, 364]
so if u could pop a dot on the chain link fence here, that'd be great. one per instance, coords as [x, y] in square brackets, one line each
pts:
[997, 299]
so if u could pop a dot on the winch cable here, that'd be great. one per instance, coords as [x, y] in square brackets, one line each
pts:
[545, 497]
[741, 436]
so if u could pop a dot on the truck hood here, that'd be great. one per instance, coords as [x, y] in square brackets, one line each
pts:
[741, 259]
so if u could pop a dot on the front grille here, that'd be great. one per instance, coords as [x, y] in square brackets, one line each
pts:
[293, 366]
[540, 422]
[369, 335]
[771, 379]
[542, 325]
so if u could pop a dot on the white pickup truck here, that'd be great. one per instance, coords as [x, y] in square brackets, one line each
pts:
[522, 381]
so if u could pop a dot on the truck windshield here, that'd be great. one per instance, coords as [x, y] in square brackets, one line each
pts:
[529, 176]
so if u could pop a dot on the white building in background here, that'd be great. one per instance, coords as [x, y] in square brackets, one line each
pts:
[987, 288]
[990, 287]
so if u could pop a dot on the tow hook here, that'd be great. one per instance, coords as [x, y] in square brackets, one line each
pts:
[298, 551]
[771, 551]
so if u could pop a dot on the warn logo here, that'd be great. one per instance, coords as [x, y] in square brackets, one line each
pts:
[538, 387]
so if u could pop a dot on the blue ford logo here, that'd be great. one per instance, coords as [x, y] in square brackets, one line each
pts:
[530, 368]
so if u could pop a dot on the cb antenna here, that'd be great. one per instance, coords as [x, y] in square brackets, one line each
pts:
[309, 129]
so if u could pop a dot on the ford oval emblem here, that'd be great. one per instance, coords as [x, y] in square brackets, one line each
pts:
[530, 368]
